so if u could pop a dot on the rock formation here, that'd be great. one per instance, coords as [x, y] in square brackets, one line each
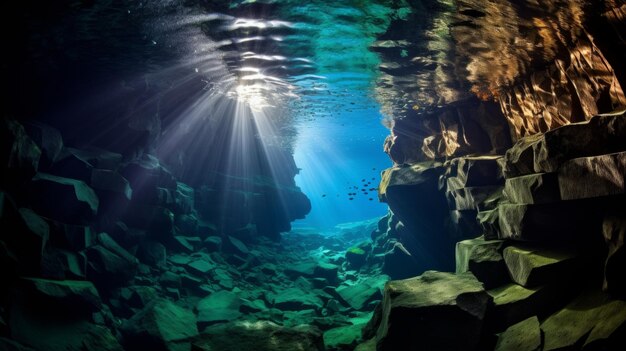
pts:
[532, 196]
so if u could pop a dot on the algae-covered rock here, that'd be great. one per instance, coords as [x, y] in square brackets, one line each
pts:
[343, 338]
[522, 336]
[533, 189]
[531, 267]
[294, 299]
[473, 171]
[592, 320]
[259, 336]
[356, 257]
[221, 306]
[161, 325]
[595, 176]
[443, 311]
[44, 335]
[513, 303]
[484, 259]
[327, 271]
[359, 294]
[234, 246]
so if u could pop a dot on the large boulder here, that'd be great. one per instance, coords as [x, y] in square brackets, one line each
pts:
[160, 326]
[435, 311]
[80, 203]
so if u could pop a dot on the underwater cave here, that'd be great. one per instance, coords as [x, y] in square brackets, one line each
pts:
[282, 175]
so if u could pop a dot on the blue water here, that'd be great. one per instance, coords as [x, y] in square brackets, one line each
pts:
[337, 153]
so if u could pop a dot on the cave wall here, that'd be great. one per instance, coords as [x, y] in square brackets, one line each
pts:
[512, 71]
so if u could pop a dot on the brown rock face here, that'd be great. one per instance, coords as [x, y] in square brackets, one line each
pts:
[545, 63]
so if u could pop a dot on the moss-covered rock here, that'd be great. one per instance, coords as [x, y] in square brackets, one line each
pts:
[484, 259]
[261, 336]
[161, 325]
[522, 336]
[441, 311]
[343, 338]
[221, 306]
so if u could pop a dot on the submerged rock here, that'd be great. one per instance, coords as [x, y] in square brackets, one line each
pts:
[600, 323]
[80, 203]
[259, 336]
[296, 299]
[523, 336]
[547, 152]
[532, 267]
[343, 338]
[160, 326]
[443, 311]
[484, 259]
[361, 293]
[221, 306]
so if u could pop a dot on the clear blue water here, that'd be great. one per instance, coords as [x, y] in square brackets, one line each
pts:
[338, 156]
